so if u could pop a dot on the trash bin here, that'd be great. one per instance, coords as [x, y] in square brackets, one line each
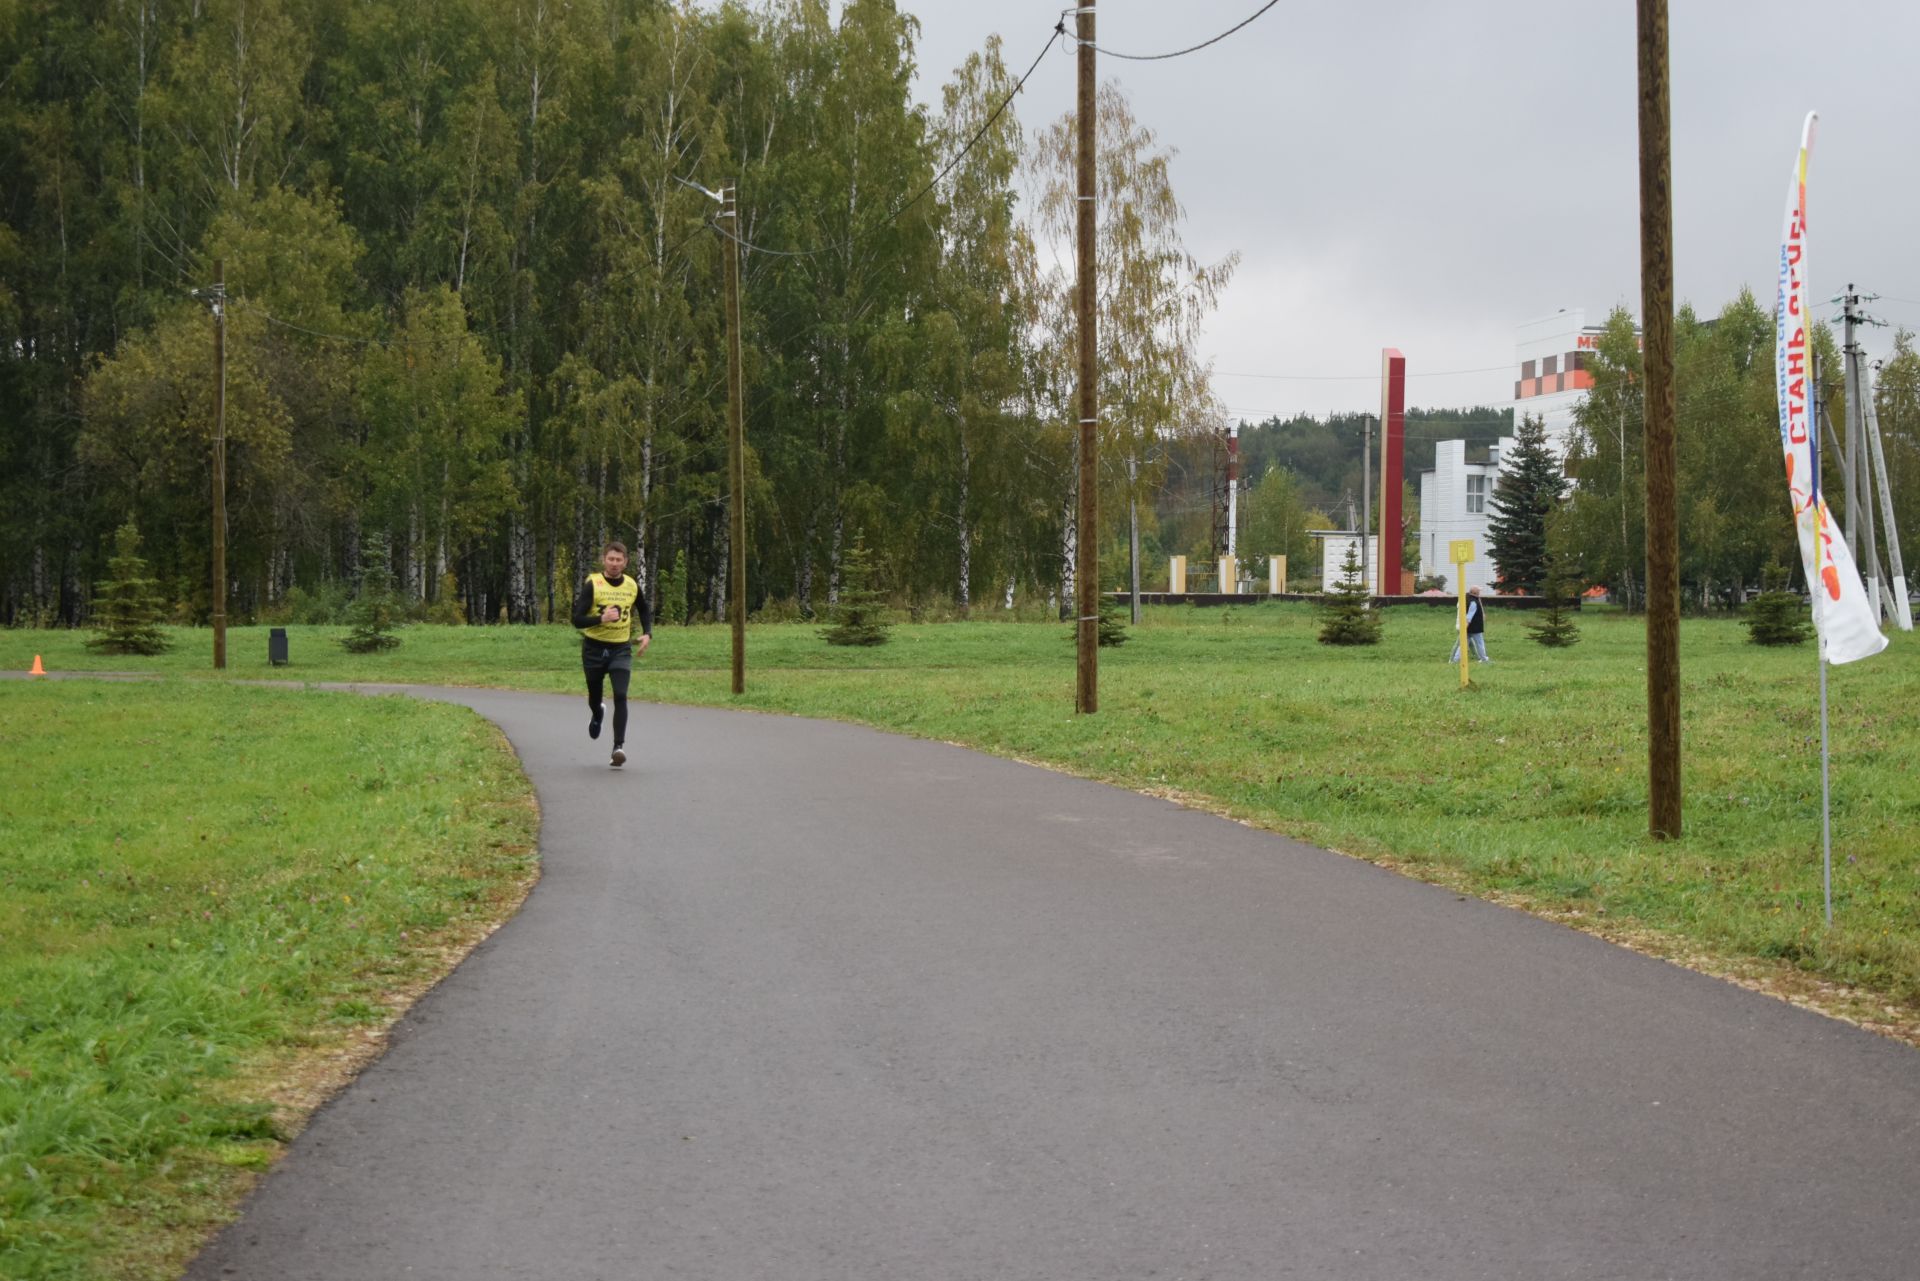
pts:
[277, 647]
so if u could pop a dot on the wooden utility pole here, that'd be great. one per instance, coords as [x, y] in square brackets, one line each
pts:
[1087, 547]
[220, 464]
[736, 445]
[1663, 543]
[1850, 458]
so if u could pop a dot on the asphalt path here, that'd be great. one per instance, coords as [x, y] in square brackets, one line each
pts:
[800, 1000]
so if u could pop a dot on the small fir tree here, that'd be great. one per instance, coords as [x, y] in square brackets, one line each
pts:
[1344, 616]
[128, 608]
[1113, 626]
[375, 612]
[1777, 616]
[1554, 626]
[858, 618]
[1530, 486]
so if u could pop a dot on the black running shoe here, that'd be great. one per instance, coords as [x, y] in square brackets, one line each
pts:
[593, 726]
[619, 756]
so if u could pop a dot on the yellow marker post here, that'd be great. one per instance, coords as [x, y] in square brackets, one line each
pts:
[1460, 552]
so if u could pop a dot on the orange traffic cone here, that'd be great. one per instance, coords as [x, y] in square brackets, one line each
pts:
[36, 669]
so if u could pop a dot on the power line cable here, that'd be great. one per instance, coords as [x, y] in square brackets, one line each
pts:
[272, 319]
[665, 254]
[761, 249]
[1426, 373]
[1181, 53]
[1059, 30]
[359, 339]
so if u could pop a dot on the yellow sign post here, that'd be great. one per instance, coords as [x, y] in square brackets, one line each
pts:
[1460, 552]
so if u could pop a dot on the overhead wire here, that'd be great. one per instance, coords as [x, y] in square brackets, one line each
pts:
[1059, 30]
[1181, 53]
[361, 339]
[1425, 373]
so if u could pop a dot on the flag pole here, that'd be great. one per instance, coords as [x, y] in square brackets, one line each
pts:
[1826, 794]
[1820, 656]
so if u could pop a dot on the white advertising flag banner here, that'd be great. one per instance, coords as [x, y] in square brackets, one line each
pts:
[1842, 615]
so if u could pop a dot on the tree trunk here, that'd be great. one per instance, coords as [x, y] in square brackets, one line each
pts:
[351, 541]
[440, 554]
[643, 555]
[803, 573]
[553, 566]
[1069, 550]
[519, 570]
[722, 563]
[966, 530]
[583, 557]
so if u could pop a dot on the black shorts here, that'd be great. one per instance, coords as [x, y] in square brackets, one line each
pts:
[600, 656]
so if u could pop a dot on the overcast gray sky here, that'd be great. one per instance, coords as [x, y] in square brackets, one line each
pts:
[1427, 175]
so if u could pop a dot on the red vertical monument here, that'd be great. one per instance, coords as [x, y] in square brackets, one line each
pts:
[1393, 451]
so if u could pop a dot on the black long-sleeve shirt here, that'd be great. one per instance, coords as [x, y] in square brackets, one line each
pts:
[585, 615]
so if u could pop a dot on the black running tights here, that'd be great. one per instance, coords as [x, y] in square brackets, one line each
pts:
[620, 677]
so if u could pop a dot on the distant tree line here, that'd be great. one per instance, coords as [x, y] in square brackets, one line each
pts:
[1734, 516]
[475, 314]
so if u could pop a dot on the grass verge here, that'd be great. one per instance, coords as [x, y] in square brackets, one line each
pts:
[213, 902]
[1529, 788]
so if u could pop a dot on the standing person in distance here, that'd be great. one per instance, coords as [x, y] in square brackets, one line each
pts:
[1476, 629]
[604, 611]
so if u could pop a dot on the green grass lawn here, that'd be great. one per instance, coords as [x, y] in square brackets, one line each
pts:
[1530, 787]
[210, 896]
[168, 920]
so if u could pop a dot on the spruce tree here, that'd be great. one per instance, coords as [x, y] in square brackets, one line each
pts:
[1530, 486]
[1777, 616]
[858, 618]
[127, 610]
[1554, 626]
[1344, 616]
[1113, 626]
[375, 612]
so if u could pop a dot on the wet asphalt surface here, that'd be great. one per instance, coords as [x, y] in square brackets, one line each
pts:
[799, 1000]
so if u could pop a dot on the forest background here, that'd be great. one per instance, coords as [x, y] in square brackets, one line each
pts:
[474, 313]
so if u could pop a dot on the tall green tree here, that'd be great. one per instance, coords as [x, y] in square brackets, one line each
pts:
[1529, 487]
[1273, 520]
[1154, 298]
[1896, 393]
[439, 417]
[960, 363]
[1605, 518]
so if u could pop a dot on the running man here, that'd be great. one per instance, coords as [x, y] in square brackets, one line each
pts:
[603, 611]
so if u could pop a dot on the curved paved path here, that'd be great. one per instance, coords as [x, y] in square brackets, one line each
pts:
[797, 1000]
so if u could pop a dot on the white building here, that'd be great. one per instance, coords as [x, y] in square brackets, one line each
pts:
[1333, 557]
[1552, 354]
[1454, 504]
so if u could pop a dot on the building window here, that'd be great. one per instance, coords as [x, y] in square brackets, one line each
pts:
[1476, 493]
[1548, 367]
[1526, 371]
